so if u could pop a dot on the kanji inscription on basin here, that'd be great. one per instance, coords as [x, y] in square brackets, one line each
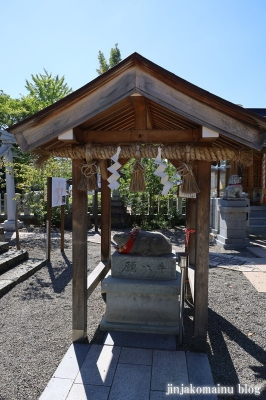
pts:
[138, 267]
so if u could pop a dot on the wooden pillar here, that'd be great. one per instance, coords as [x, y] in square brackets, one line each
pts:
[105, 219]
[228, 173]
[202, 256]
[95, 208]
[263, 183]
[79, 251]
[250, 182]
[191, 224]
[49, 218]
[218, 179]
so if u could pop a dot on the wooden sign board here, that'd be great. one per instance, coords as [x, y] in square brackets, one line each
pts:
[58, 192]
[56, 196]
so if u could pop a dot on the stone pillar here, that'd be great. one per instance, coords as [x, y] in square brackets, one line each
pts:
[215, 215]
[9, 224]
[233, 223]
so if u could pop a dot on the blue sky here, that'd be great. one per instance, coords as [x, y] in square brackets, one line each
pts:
[218, 45]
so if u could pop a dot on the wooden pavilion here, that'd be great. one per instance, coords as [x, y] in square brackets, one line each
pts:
[138, 102]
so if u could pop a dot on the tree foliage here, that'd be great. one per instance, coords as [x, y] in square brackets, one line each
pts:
[115, 58]
[31, 183]
[44, 90]
[47, 89]
[13, 110]
[151, 205]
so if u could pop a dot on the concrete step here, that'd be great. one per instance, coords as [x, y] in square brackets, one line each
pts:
[4, 246]
[257, 230]
[12, 258]
[258, 221]
[257, 251]
[19, 273]
[257, 211]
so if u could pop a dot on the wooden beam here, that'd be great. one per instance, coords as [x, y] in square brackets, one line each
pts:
[123, 162]
[175, 163]
[197, 111]
[149, 119]
[171, 93]
[202, 256]
[79, 250]
[140, 112]
[105, 220]
[143, 136]
[103, 169]
[79, 134]
[96, 276]
[75, 112]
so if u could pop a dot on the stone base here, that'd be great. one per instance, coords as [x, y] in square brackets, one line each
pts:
[138, 267]
[231, 244]
[114, 326]
[233, 202]
[9, 225]
[141, 305]
[233, 223]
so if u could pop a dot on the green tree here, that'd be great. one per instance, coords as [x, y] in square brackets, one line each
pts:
[46, 89]
[115, 58]
[103, 64]
[12, 110]
[143, 203]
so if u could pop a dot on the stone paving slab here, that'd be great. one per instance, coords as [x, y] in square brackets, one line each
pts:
[199, 373]
[257, 279]
[114, 373]
[135, 356]
[260, 263]
[72, 361]
[241, 268]
[57, 389]
[232, 262]
[169, 368]
[99, 365]
[158, 395]
[141, 340]
[85, 392]
[131, 382]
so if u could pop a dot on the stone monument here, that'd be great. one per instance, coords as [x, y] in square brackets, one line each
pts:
[143, 287]
[234, 213]
[119, 216]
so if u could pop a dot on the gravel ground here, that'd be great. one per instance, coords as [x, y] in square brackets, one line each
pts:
[36, 319]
